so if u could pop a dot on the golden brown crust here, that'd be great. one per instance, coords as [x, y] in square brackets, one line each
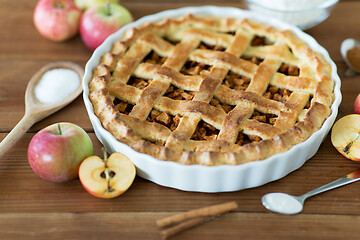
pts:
[177, 41]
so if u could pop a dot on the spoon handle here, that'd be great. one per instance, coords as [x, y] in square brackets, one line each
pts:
[351, 177]
[16, 133]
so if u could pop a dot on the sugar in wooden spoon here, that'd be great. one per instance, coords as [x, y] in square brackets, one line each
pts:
[350, 51]
[53, 87]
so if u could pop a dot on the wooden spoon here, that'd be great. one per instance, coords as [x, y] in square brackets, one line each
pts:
[346, 45]
[36, 110]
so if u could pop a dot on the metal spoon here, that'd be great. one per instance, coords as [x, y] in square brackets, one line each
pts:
[346, 45]
[36, 110]
[288, 204]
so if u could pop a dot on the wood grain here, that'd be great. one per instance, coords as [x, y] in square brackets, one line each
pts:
[112, 225]
[31, 208]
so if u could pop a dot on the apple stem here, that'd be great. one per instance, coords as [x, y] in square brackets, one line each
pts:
[59, 4]
[59, 129]
[108, 8]
[106, 172]
[105, 155]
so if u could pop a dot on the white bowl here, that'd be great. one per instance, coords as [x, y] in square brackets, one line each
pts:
[301, 13]
[215, 178]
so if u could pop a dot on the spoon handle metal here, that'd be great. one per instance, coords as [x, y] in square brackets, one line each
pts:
[351, 177]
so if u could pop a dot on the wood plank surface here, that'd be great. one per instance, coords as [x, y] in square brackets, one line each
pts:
[31, 208]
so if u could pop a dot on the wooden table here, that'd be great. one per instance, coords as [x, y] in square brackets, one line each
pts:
[31, 208]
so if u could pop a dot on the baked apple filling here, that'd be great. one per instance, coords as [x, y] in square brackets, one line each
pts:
[178, 93]
[216, 103]
[260, 41]
[211, 47]
[122, 106]
[264, 117]
[236, 81]
[139, 82]
[195, 68]
[164, 118]
[154, 58]
[205, 131]
[243, 139]
[277, 94]
[289, 70]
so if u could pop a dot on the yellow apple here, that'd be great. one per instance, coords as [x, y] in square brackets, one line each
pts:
[107, 178]
[345, 136]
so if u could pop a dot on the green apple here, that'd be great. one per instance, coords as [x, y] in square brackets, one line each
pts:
[84, 4]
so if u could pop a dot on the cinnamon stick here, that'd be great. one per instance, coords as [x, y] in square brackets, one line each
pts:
[201, 212]
[182, 227]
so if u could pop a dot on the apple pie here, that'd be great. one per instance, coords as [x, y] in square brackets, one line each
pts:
[211, 91]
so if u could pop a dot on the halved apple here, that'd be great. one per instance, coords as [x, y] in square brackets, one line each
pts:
[107, 178]
[345, 136]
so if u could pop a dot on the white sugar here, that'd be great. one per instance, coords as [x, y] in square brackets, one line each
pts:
[282, 203]
[56, 85]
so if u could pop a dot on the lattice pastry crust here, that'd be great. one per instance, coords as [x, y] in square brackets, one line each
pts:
[203, 90]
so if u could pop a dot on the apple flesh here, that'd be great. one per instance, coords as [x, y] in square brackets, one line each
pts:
[100, 21]
[56, 152]
[345, 136]
[357, 105]
[57, 20]
[85, 4]
[107, 178]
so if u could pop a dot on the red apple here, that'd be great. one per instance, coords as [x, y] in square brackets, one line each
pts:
[100, 21]
[56, 152]
[57, 20]
[357, 105]
[107, 178]
[85, 4]
[345, 136]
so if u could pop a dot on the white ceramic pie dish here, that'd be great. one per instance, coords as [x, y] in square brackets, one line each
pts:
[215, 178]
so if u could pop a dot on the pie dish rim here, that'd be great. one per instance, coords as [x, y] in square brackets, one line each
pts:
[205, 178]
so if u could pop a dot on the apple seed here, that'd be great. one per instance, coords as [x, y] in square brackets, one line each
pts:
[346, 149]
[111, 174]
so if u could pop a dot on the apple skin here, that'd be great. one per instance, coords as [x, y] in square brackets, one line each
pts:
[97, 24]
[121, 175]
[85, 4]
[55, 156]
[57, 20]
[345, 136]
[357, 105]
